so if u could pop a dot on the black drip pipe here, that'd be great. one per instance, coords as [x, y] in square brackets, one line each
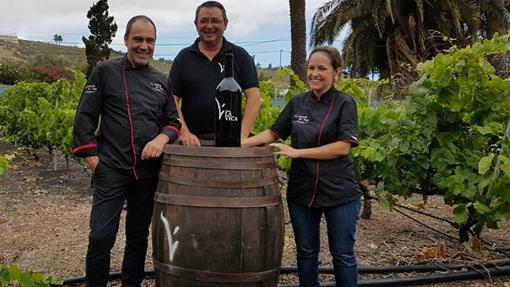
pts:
[481, 270]
[431, 267]
[427, 279]
[453, 224]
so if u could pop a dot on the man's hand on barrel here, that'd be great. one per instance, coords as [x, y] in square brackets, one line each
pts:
[92, 162]
[186, 138]
[154, 148]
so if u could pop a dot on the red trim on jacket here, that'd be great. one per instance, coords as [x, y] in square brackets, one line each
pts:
[348, 141]
[275, 133]
[318, 145]
[82, 147]
[126, 97]
[176, 130]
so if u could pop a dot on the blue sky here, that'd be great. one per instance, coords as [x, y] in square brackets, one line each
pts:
[262, 27]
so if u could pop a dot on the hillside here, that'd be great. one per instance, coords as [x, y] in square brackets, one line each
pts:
[74, 56]
[70, 55]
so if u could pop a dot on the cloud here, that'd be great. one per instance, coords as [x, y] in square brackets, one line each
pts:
[249, 20]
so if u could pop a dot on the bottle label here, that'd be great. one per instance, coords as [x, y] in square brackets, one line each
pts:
[227, 114]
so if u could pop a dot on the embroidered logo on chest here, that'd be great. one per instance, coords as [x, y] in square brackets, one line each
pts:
[222, 67]
[301, 119]
[157, 87]
[89, 89]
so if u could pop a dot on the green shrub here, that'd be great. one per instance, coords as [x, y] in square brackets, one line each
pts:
[12, 72]
[12, 275]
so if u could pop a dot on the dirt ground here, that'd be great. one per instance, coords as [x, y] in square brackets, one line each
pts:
[44, 226]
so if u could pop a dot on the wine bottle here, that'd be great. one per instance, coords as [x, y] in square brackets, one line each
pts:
[228, 107]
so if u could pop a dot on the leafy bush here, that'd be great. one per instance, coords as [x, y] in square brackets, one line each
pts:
[12, 72]
[50, 68]
[11, 275]
[446, 137]
[41, 114]
[3, 164]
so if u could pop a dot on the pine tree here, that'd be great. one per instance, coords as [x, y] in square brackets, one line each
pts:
[102, 28]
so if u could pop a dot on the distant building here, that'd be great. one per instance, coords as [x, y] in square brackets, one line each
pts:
[9, 38]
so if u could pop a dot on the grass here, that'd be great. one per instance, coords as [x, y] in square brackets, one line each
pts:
[75, 56]
[70, 55]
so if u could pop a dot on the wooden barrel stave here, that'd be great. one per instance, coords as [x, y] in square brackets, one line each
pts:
[226, 203]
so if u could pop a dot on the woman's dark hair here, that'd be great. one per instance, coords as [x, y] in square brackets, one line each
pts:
[211, 4]
[333, 54]
[131, 21]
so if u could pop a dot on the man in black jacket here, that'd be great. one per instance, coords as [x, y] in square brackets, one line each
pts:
[138, 117]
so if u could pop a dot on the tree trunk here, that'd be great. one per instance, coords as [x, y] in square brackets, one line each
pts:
[501, 63]
[298, 38]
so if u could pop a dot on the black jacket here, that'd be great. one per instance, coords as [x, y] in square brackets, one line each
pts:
[132, 106]
[311, 123]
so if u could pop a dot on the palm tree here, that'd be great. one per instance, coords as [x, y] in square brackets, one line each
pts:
[496, 23]
[298, 38]
[390, 37]
[58, 39]
[494, 17]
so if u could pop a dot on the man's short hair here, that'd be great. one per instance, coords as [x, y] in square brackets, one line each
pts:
[131, 21]
[211, 4]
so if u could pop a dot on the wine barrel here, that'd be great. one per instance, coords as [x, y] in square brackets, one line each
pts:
[218, 218]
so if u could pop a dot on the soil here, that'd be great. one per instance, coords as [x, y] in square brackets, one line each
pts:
[44, 227]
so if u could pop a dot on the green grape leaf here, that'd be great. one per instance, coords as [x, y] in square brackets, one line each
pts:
[482, 208]
[461, 214]
[485, 164]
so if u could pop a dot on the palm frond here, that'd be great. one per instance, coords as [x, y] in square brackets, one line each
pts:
[453, 10]
[470, 14]
[327, 26]
[389, 8]
[421, 11]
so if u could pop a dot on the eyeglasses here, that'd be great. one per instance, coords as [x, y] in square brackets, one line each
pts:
[213, 21]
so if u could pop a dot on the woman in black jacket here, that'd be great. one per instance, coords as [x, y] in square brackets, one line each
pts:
[322, 124]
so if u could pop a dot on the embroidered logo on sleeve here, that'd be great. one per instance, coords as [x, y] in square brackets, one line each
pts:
[354, 138]
[300, 119]
[89, 89]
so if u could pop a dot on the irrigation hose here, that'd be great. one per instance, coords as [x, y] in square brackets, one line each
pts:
[453, 224]
[426, 279]
[431, 267]
[497, 268]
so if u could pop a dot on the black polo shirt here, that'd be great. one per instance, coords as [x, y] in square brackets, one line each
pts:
[194, 80]
[311, 123]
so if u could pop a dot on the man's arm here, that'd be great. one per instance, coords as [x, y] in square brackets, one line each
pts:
[86, 120]
[155, 147]
[251, 112]
[169, 131]
[185, 137]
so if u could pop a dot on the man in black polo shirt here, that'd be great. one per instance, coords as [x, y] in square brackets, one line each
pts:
[199, 68]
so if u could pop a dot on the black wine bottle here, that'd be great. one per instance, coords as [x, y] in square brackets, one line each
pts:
[228, 108]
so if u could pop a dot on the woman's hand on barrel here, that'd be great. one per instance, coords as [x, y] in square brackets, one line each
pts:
[155, 147]
[286, 150]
